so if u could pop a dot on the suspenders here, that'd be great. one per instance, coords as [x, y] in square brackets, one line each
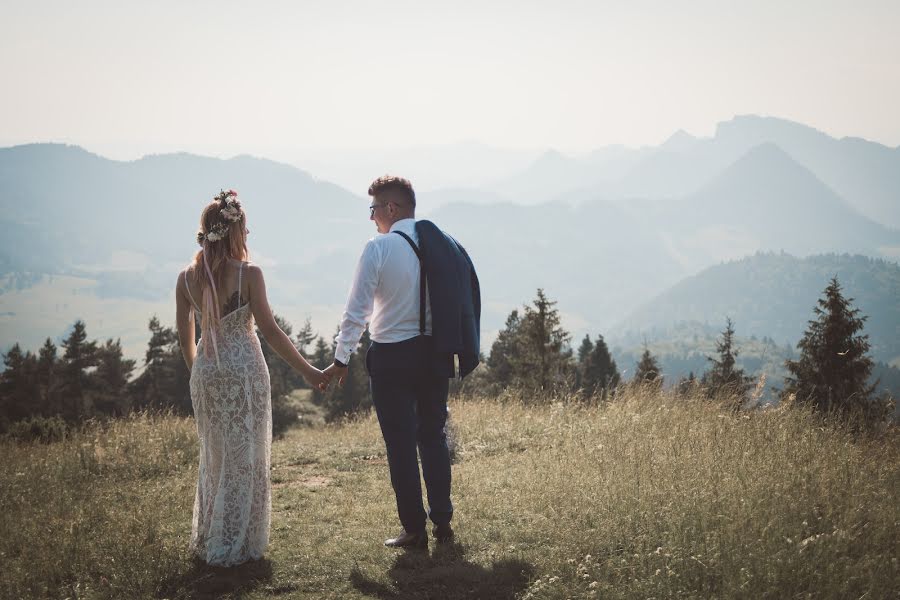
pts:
[421, 281]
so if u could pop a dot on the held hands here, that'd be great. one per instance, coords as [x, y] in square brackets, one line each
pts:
[320, 380]
[335, 371]
[317, 379]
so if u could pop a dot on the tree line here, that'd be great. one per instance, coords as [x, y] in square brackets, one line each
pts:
[832, 373]
[86, 379]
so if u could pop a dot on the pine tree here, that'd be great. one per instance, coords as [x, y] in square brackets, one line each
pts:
[724, 377]
[543, 357]
[353, 397]
[833, 369]
[686, 384]
[599, 371]
[503, 352]
[48, 379]
[17, 387]
[283, 379]
[304, 338]
[112, 375]
[584, 353]
[585, 349]
[165, 382]
[647, 371]
[322, 354]
[79, 356]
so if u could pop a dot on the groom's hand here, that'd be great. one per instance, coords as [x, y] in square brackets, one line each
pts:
[336, 371]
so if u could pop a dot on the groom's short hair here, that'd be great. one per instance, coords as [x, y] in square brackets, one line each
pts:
[387, 183]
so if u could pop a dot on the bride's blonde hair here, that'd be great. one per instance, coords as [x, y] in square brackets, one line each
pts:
[222, 235]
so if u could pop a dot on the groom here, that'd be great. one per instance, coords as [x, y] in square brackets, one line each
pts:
[417, 290]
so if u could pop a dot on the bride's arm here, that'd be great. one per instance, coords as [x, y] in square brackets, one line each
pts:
[184, 322]
[276, 338]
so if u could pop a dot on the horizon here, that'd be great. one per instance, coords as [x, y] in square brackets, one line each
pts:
[353, 168]
[99, 150]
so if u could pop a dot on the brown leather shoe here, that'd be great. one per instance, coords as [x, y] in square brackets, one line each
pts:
[442, 533]
[408, 540]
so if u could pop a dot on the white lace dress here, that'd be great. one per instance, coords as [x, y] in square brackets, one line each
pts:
[233, 409]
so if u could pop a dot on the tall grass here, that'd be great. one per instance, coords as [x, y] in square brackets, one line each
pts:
[647, 496]
[98, 514]
[655, 496]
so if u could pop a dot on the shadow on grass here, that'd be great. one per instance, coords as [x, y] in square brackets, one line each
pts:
[446, 574]
[204, 581]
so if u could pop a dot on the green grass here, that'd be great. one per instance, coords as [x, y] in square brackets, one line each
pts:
[645, 497]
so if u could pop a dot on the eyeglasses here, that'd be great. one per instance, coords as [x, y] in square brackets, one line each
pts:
[372, 208]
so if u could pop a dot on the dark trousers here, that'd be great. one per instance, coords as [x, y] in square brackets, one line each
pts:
[411, 403]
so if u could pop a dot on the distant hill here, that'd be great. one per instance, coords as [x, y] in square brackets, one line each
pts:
[773, 295]
[63, 202]
[767, 201]
[553, 175]
[864, 173]
[595, 258]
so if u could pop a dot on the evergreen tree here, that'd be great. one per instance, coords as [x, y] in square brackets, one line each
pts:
[584, 352]
[833, 369]
[686, 384]
[283, 379]
[599, 371]
[585, 349]
[111, 377]
[323, 354]
[305, 337]
[724, 377]
[503, 352]
[80, 355]
[543, 357]
[48, 379]
[18, 388]
[165, 382]
[353, 397]
[647, 370]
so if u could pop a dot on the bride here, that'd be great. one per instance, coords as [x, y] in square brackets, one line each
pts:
[230, 386]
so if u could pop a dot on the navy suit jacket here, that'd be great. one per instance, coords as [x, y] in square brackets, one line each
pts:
[455, 299]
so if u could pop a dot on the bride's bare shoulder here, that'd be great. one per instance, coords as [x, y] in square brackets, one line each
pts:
[253, 271]
[184, 274]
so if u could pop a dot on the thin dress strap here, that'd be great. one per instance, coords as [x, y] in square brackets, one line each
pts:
[188, 288]
[240, 272]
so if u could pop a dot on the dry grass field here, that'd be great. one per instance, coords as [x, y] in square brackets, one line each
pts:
[649, 496]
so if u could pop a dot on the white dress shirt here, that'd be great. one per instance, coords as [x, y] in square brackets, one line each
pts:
[385, 293]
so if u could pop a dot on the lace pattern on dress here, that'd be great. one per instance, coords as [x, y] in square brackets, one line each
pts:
[233, 410]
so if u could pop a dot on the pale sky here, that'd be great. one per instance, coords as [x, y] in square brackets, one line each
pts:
[125, 78]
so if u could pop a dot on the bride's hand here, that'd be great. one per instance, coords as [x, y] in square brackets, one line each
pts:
[317, 379]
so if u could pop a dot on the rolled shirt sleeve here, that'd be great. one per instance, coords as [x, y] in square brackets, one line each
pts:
[360, 302]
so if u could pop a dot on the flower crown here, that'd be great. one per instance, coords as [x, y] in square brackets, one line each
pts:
[231, 212]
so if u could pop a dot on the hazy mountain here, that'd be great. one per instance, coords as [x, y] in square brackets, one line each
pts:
[865, 174]
[460, 165]
[773, 295]
[553, 174]
[680, 141]
[429, 201]
[595, 259]
[78, 208]
[765, 201]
